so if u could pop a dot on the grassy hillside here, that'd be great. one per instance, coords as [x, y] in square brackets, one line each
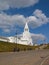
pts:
[9, 47]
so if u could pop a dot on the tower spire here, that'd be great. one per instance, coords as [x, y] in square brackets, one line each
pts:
[26, 27]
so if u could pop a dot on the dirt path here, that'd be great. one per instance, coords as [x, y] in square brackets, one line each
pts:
[23, 58]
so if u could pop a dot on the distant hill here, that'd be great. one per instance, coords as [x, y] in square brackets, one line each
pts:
[10, 47]
[47, 47]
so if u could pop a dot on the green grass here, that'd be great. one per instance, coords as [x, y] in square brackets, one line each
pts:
[10, 47]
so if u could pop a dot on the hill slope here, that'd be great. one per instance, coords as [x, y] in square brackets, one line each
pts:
[9, 47]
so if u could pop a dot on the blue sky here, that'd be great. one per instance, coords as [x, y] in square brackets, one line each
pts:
[15, 13]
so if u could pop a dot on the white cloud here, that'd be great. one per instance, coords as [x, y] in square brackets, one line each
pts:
[6, 30]
[41, 16]
[10, 21]
[5, 4]
[38, 37]
[38, 19]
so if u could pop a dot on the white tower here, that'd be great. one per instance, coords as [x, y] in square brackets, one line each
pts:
[26, 38]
